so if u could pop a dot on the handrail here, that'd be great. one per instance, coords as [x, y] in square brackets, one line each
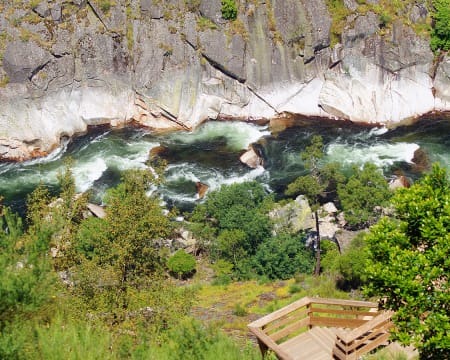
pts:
[363, 339]
[384, 317]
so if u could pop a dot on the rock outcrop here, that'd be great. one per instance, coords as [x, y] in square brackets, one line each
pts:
[67, 65]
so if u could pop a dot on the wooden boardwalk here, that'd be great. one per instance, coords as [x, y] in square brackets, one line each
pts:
[315, 344]
[323, 329]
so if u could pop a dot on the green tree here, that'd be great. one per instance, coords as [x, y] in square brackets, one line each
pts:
[440, 36]
[283, 256]
[234, 221]
[409, 265]
[351, 265]
[123, 246]
[320, 181]
[363, 196]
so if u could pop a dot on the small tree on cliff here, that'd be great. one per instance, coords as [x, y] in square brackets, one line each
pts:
[316, 184]
[409, 265]
[363, 196]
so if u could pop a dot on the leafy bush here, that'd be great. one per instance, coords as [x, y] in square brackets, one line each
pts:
[362, 197]
[282, 256]
[181, 263]
[229, 9]
[351, 265]
[440, 36]
[408, 265]
[233, 222]
[193, 341]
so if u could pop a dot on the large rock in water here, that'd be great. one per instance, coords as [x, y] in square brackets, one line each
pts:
[168, 65]
[252, 158]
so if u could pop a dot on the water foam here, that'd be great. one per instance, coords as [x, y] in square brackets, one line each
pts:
[380, 154]
[86, 173]
[238, 135]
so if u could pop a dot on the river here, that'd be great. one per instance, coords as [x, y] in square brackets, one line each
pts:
[211, 155]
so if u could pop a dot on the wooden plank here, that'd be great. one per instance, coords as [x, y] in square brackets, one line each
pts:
[383, 318]
[289, 329]
[282, 355]
[304, 347]
[324, 337]
[280, 313]
[372, 345]
[370, 337]
[336, 322]
[283, 321]
[355, 303]
[343, 312]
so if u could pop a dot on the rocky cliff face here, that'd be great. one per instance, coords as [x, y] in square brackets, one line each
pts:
[69, 64]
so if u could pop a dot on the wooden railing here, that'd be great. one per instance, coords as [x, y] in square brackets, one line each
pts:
[362, 327]
[374, 333]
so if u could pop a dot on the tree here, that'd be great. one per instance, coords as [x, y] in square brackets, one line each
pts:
[409, 265]
[363, 196]
[440, 35]
[122, 249]
[234, 218]
[283, 256]
[317, 184]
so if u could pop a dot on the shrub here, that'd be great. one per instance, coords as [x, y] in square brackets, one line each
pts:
[229, 9]
[282, 256]
[362, 197]
[239, 310]
[440, 36]
[181, 263]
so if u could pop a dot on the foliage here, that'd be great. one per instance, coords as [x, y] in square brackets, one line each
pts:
[320, 182]
[181, 263]
[351, 265]
[409, 264]
[122, 247]
[233, 222]
[283, 256]
[440, 35]
[364, 195]
[229, 9]
[193, 341]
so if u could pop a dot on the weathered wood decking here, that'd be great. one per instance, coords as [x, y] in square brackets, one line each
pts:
[323, 329]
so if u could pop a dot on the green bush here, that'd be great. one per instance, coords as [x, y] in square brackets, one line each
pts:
[229, 9]
[181, 263]
[233, 222]
[363, 196]
[440, 36]
[352, 264]
[282, 256]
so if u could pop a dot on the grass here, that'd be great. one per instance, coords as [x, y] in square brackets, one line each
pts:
[388, 12]
[237, 303]
[204, 24]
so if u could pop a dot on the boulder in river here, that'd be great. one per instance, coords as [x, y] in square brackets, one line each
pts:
[201, 188]
[252, 158]
[399, 183]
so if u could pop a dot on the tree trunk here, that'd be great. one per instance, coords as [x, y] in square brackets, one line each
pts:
[317, 268]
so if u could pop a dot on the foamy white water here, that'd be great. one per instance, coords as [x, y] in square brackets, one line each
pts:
[382, 154]
[238, 135]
